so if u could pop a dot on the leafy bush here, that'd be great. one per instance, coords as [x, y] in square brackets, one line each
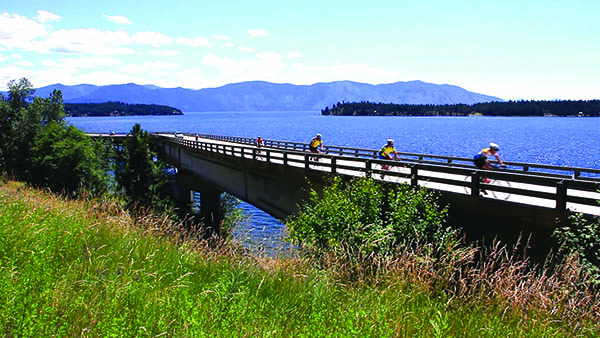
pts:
[368, 217]
[581, 236]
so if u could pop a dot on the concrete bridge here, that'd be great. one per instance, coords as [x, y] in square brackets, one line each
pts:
[524, 197]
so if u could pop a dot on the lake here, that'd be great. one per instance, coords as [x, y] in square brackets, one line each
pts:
[565, 141]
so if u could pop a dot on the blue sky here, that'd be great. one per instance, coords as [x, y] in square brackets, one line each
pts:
[510, 49]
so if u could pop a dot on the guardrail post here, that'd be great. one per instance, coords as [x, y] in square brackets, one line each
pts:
[268, 156]
[306, 161]
[285, 158]
[414, 175]
[561, 196]
[475, 180]
[333, 165]
[368, 168]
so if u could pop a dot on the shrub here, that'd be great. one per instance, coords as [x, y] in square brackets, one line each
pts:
[367, 217]
[581, 236]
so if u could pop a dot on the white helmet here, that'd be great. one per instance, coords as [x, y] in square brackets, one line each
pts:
[494, 146]
[390, 140]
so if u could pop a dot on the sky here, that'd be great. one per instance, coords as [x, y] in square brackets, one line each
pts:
[525, 49]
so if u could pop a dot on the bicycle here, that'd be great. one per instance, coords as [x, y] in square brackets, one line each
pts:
[388, 167]
[501, 195]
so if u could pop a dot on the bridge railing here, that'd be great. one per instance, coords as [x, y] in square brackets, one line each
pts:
[590, 174]
[551, 191]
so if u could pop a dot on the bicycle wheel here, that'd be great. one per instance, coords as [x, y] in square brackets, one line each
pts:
[501, 195]
[468, 187]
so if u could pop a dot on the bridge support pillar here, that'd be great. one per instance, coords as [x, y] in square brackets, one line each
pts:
[210, 210]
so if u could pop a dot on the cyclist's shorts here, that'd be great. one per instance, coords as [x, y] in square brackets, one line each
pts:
[313, 149]
[381, 157]
[479, 161]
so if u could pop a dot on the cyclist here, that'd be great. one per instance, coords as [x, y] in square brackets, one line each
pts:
[259, 142]
[386, 153]
[481, 159]
[316, 145]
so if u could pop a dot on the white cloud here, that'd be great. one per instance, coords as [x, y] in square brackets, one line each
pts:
[18, 31]
[258, 32]
[170, 52]
[198, 41]
[82, 63]
[88, 41]
[156, 67]
[245, 49]
[119, 19]
[24, 64]
[45, 16]
[2, 58]
[152, 38]
[265, 66]
[221, 37]
[293, 55]
[228, 45]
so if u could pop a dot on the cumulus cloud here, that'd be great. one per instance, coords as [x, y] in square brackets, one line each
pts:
[263, 66]
[258, 32]
[170, 52]
[198, 41]
[245, 49]
[18, 32]
[152, 38]
[293, 55]
[82, 63]
[119, 19]
[45, 16]
[24, 64]
[89, 41]
[155, 68]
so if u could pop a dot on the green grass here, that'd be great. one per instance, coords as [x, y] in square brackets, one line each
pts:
[88, 269]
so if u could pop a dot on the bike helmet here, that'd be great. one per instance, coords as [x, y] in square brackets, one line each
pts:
[390, 141]
[494, 146]
[319, 135]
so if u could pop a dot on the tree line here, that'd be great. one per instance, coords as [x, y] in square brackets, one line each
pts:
[118, 109]
[37, 146]
[509, 108]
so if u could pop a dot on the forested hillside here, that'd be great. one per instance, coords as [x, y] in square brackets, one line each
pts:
[510, 108]
[118, 109]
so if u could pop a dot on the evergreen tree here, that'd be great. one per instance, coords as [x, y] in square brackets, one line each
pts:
[142, 179]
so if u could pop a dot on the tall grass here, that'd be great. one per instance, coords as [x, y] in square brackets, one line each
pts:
[89, 269]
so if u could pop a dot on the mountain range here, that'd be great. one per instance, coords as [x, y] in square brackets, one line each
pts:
[267, 96]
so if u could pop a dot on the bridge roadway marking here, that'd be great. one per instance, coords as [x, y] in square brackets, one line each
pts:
[298, 162]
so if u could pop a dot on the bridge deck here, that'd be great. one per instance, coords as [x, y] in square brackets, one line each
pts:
[529, 188]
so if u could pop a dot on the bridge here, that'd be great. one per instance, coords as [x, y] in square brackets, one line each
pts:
[274, 178]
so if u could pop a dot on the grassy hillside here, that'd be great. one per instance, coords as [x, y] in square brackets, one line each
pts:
[87, 269]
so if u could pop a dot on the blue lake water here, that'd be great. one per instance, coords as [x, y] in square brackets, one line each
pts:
[548, 140]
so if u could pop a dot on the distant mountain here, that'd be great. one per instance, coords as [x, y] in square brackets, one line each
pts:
[267, 96]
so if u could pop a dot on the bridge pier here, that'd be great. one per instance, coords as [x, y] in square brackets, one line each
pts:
[210, 210]
[210, 201]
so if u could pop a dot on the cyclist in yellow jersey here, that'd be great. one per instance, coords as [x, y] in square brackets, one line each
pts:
[386, 154]
[387, 150]
[316, 144]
